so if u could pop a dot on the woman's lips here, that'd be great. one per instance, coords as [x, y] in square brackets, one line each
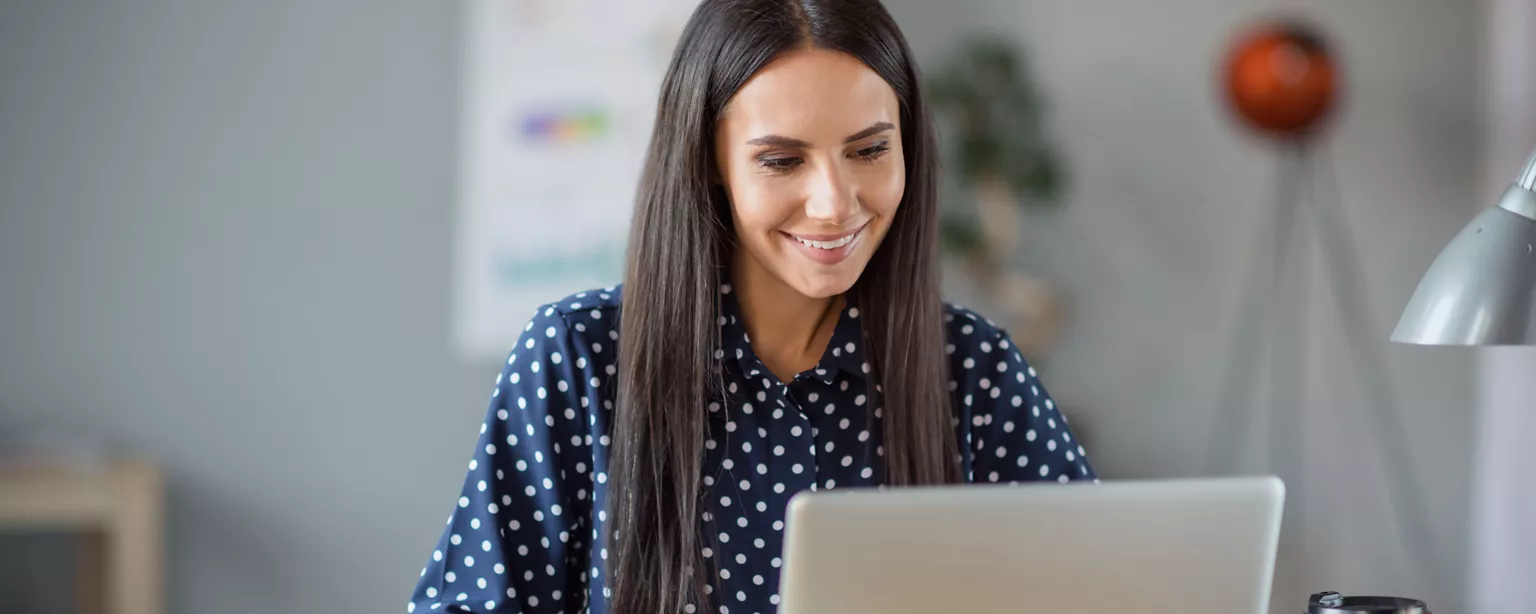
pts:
[826, 249]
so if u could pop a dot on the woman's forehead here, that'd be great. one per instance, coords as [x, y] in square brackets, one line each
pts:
[815, 95]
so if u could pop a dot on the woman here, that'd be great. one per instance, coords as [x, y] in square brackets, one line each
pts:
[779, 329]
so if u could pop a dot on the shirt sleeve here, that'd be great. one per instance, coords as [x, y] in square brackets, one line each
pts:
[1017, 432]
[519, 537]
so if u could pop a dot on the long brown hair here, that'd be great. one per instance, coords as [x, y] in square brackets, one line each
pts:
[679, 243]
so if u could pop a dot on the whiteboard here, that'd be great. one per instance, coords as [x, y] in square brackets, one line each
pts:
[557, 106]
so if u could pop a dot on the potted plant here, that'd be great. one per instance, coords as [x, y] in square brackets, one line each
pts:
[999, 162]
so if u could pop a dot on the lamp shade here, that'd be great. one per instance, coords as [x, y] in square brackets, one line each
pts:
[1481, 290]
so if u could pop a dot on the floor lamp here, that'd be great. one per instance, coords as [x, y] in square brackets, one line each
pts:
[1281, 79]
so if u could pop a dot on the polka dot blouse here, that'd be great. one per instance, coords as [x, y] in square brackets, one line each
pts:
[526, 532]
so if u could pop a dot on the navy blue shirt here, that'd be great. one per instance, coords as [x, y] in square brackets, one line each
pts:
[527, 532]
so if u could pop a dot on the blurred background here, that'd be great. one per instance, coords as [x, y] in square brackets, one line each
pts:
[234, 239]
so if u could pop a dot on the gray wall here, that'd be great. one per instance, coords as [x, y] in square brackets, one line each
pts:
[225, 230]
[224, 242]
[1152, 243]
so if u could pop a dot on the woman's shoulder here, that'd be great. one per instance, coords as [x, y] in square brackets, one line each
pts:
[581, 324]
[598, 307]
[597, 299]
[973, 341]
[965, 327]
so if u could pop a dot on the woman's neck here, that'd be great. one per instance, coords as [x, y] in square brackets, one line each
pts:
[789, 330]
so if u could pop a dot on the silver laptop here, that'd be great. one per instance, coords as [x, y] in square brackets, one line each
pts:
[1151, 547]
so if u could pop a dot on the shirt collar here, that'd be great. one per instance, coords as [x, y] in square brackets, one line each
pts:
[845, 350]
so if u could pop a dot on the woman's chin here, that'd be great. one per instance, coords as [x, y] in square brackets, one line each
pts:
[824, 284]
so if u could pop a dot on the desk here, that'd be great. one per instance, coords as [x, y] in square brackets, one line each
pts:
[117, 509]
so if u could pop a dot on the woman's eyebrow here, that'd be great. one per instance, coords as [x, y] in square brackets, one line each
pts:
[874, 129]
[774, 140]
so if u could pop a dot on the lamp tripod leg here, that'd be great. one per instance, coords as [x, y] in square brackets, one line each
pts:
[1289, 364]
[1237, 402]
[1371, 361]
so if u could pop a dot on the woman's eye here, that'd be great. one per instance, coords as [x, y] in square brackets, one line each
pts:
[874, 151]
[778, 164]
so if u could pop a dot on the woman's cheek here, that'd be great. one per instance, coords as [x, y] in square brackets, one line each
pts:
[762, 209]
[886, 188]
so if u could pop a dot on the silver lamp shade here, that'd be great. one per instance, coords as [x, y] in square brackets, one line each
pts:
[1481, 290]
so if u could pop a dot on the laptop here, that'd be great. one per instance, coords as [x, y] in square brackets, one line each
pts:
[1151, 547]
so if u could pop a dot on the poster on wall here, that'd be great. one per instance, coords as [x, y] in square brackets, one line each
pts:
[558, 102]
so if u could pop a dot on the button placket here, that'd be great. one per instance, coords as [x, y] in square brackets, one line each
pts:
[799, 422]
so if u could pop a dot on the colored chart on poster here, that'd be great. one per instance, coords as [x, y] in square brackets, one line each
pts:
[558, 102]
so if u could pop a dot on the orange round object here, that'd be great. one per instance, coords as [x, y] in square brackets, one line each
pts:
[1282, 79]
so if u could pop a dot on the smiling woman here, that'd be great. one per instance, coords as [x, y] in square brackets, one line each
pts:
[779, 329]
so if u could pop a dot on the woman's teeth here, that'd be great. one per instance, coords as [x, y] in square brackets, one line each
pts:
[828, 244]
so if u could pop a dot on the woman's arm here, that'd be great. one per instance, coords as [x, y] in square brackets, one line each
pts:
[1017, 432]
[520, 535]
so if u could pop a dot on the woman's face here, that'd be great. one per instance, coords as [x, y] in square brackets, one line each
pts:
[809, 151]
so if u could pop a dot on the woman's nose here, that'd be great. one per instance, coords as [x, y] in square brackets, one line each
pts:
[834, 198]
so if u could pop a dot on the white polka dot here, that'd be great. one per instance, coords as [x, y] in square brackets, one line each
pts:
[1044, 469]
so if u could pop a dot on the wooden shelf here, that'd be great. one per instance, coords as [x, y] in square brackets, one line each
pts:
[120, 507]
